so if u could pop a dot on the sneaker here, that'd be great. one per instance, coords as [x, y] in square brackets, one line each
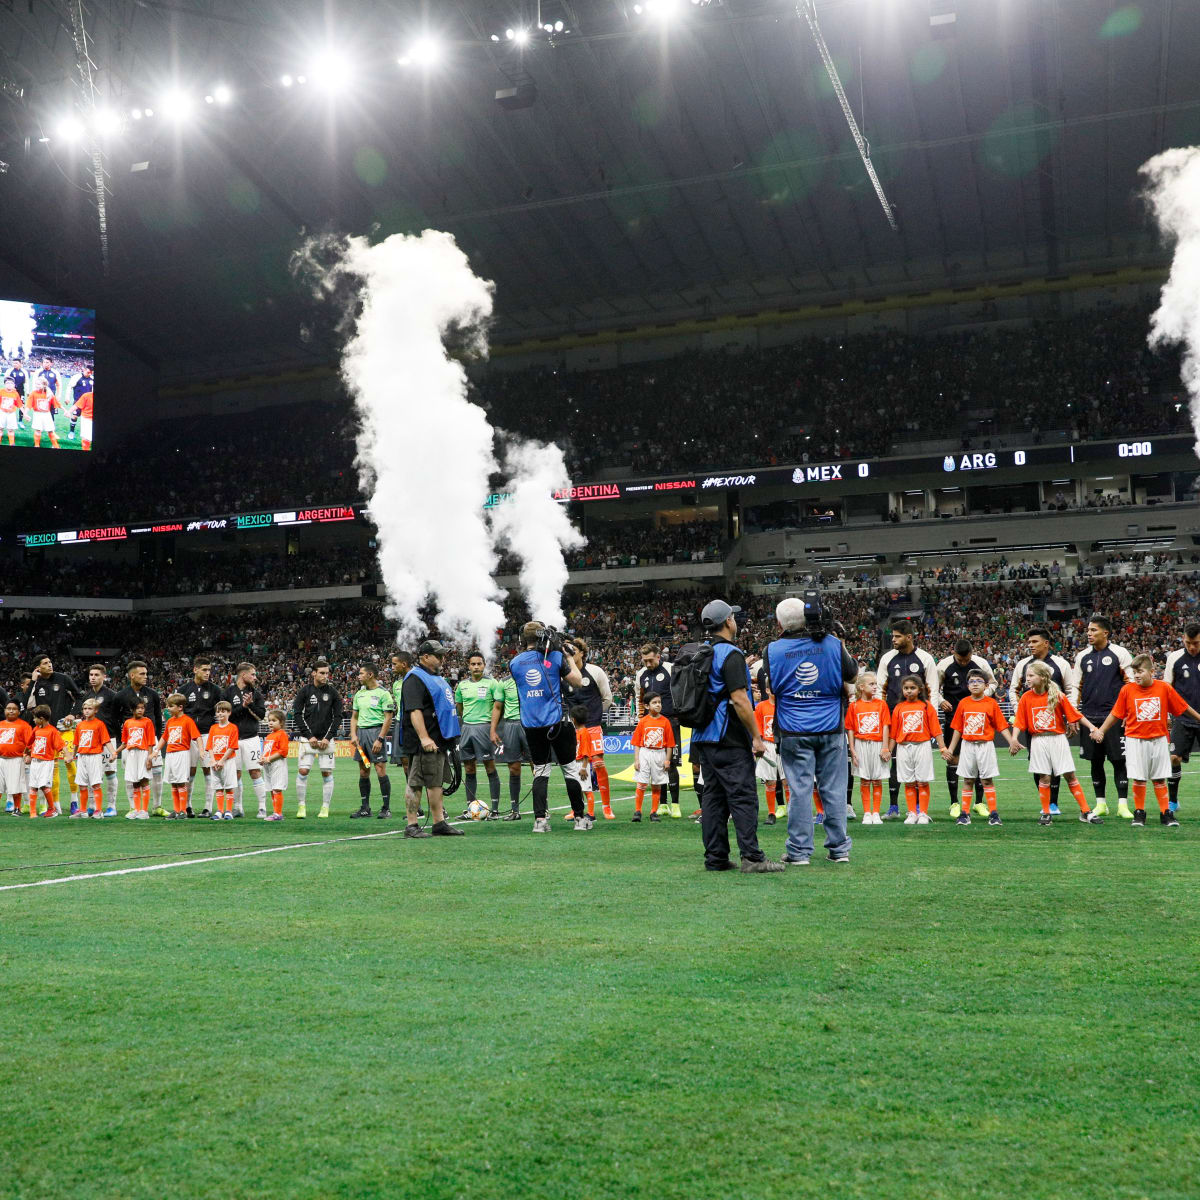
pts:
[56, 811]
[170, 816]
[384, 813]
[1090, 818]
[239, 813]
[159, 812]
[216, 816]
[188, 815]
[273, 817]
[98, 815]
[698, 816]
[74, 808]
[637, 816]
[465, 815]
[911, 819]
[323, 815]
[1054, 810]
[230, 815]
[131, 815]
[1100, 808]
[955, 810]
[780, 812]
[963, 819]
[761, 866]
[980, 810]
[838, 858]
[541, 824]
[1169, 819]
[770, 819]
[1045, 819]
[143, 815]
[76, 814]
[609, 815]
[994, 819]
[794, 862]
[676, 811]
[655, 817]
[301, 812]
[1123, 810]
[893, 812]
[513, 814]
[110, 811]
[362, 812]
[445, 829]
[850, 813]
[584, 823]
[205, 813]
[924, 819]
[1172, 805]
[1139, 818]
[9, 806]
[415, 831]
[261, 815]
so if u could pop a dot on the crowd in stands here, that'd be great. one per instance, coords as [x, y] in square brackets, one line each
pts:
[687, 541]
[816, 399]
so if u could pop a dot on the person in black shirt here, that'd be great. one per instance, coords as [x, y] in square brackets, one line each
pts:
[1182, 672]
[125, 701]
[200, 700]
[61, 695]
[97, 689]
[249, 710]
[317, 714]
[422, 740]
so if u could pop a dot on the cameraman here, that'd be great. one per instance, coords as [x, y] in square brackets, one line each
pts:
[538, 672]
[807, 670]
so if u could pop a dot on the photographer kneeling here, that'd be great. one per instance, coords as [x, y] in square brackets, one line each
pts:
[807, 670]
[430, 733]
[538, 672]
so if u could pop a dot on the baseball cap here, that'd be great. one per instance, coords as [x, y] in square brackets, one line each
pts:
[717, 612]
[432, 647]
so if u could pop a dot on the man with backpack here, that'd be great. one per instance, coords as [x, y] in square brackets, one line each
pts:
[711, 690]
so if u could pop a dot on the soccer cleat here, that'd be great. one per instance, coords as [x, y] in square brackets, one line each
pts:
[143, 815]
[676, 811]
[323, 815]
[74, 808]
[216, 816]
[850, 813]
[238, 812]
[1123, 810]
[414, 830]
[513, 814]
[465, 815]
[893, 812]
[568, 815]
[780, 812]
[963, 819]
[384, 814]
[274, 816]
[541, 824]
[229, 816]
[698, 815]
[110, 811]
[955, 809]
[1045, 819]
[131, 815]
[301, 812]
[760, 866]
[261, 815]
[994, 819]
[584, 823]
[1054, 809]
[1100, 808]
[9, 806]
[637, 816]
[160, 811]
[188, 814]
[205, 813]
[98, 815]
[1169, 819]
[1173, 805]
[609, 815]
[76, 813]
[770, 820]
[980, 809]
[924, 819]
[655, 817]
[911, 819]
[1139, 818]
[1090, 818]
[360, 813]
[54, 811]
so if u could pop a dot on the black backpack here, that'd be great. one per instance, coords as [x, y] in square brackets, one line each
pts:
[694, 704]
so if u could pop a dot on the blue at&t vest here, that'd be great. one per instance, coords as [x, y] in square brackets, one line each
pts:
[443, 703]
[806, 679]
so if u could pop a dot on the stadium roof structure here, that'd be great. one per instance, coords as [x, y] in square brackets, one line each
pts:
[689, 159]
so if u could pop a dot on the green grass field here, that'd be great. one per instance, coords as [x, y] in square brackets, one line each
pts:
[961, 1012]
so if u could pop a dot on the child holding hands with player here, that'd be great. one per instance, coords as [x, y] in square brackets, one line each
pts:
[914, 725]
[274, 761]
[868, 724]
[222, 746]
[976, 722]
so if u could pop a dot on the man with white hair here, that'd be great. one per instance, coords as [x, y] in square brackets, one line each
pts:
[808, 669]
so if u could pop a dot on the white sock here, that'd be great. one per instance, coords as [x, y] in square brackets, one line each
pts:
[301, 787]
[260, 793]
[237, 794]
[110, 789]
[129, 792]
[326, 790]
[156, 784]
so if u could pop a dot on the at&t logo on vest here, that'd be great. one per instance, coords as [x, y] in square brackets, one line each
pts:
[533, 677]
[807, 674]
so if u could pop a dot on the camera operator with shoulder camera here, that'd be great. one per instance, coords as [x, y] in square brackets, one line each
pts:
[539, 672]
[807, 670]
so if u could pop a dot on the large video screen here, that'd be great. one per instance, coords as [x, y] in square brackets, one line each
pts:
[47, 360]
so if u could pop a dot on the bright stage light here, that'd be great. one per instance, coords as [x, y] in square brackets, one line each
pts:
[286, 81]
[106, 122]
[426, 51]
[331, 72]
[176, 105]
[137, 114]
[558, 27]
[70, 129]
[548, 27]
[521, 37]
[495, 37]
[222, 93]
[510, 34]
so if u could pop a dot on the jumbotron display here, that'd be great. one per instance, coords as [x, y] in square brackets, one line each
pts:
[47, 383]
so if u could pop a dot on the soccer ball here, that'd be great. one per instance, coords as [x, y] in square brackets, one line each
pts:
[478, 810]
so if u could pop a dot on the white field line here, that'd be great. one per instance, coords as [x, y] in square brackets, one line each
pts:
[195, 862]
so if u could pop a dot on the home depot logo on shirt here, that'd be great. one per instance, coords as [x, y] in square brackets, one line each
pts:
[1043, 719]
[1149, 709]
[868, 722]
[975, 723]
[914, 722]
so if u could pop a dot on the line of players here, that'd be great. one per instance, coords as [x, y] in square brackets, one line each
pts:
[38, 396]
[912, 702]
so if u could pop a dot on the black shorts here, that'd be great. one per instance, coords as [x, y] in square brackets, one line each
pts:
[1184, 739]
[552, 743]
[676, 755]
[1112, 748]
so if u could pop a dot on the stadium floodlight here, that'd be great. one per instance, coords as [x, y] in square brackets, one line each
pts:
[70, 129]
[332, 72]
[222, 93]
[106, 122]
[137, 114]
[286, 81]
[521, 37]
[176, 105]
[510, 34]
[149, 112]
[495, 37]
[548, 28]
[426, 51]
[559, 27]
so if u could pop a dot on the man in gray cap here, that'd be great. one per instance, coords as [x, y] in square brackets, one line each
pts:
[727, 748]
[429, 732]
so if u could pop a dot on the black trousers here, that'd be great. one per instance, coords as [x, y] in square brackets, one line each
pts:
[730, 790]
[553, 743]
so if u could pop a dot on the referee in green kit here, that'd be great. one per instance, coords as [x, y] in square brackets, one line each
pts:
[371, 714]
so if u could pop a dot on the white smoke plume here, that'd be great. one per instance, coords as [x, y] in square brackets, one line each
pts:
[535, 526]
[1173, 192]
[424, 450]
[16, 328]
